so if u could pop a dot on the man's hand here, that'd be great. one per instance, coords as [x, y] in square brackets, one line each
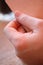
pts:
[26, 34]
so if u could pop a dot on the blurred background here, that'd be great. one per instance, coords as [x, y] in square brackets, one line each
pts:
[4, 7]
[5, 12]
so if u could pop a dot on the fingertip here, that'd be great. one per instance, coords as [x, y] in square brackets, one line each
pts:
[17, 13]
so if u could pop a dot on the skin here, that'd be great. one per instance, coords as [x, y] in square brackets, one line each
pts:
[26, 34]
[31, 7]
[28, 45]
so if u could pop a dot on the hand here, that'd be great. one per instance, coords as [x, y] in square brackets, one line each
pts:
[28, 44]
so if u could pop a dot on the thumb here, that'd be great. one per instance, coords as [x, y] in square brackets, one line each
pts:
[26, 20]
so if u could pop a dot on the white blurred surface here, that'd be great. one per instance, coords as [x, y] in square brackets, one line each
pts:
[7, 17]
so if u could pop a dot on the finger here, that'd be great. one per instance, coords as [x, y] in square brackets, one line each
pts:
[11, 29]
[26, 20]
[21, 29]
[14, 24]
